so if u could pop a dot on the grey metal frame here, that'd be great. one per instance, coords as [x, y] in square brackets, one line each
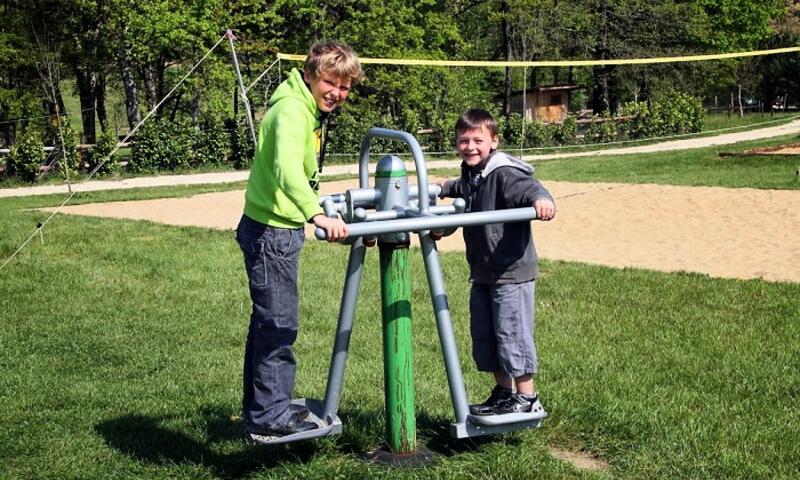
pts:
[397, 220]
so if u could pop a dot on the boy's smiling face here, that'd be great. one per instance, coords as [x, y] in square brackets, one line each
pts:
[329, 90]
[475, 145]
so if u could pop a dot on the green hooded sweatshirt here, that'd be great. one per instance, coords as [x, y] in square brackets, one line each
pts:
[283, 189]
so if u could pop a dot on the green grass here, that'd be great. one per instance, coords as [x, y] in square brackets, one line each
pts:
[702, 166]
[718, 121]
[696, 167]
[115, 107]
[122, 341]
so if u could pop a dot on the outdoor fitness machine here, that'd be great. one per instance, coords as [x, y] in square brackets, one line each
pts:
[389, 213]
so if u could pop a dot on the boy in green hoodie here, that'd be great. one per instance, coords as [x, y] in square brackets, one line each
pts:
[282, 195]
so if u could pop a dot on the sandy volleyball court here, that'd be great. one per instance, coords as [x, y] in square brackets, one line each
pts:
[723, 232]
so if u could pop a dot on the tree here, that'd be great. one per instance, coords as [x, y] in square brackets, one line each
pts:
[780, 78]
[19, 91]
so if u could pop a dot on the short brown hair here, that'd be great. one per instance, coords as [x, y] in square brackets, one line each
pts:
[475, 119]
[333, 57]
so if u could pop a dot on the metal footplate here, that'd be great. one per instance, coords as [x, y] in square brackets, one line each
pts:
[477, 425]
[329, 426]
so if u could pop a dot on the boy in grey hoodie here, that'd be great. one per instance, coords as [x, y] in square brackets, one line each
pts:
[503, 263]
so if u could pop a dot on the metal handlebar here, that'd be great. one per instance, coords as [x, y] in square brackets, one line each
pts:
[418, 224]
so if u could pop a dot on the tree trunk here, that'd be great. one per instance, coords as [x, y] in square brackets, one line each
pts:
[161, 68]
[507, 54]
[175, 106]
[59, 97]
[741, 108]
[53, 89]
[128, 83]
[100, 98]
[149, 86]
[86, 82]
[196, 107]
[601, 101]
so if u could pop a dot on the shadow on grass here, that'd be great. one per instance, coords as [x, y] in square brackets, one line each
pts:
[148, 439]
[219, 444]
[433, 432]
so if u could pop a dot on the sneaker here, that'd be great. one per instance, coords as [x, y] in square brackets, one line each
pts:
[295, 424]
[498, 396]
[519, 403]
[299, 411]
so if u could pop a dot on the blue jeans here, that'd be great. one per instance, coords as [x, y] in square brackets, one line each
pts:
[271, 256]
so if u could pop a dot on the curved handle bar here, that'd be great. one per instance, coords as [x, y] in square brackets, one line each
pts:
[416, 151]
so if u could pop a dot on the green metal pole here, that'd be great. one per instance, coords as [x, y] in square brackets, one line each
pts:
[398, 349]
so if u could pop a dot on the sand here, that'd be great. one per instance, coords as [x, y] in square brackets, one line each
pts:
[722, 232]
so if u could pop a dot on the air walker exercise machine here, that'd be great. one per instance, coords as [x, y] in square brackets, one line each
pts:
[389, 213]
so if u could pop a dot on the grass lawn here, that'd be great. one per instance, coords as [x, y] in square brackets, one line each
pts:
[122, 343]
[717, 121]
[115, 107]
[701, 166]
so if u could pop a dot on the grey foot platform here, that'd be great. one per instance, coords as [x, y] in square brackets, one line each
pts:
[329, 426]
[477, 425]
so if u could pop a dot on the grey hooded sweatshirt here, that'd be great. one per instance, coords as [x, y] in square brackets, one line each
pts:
[501, 252]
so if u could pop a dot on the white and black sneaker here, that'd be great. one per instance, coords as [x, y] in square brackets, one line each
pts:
[519, 403]
[298, 422]
[498, 396]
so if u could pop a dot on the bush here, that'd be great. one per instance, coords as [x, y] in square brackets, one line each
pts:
[511, 130]
[162, 145]
[72, 162]
[601, 130]
[27, 155]
[640, 123]
[352, 122]
[240, 144]
[538, 134]
[443, 136]
[210, 146]
[674, 113]
[347, 130]
[677, 112]
[566, 132]
[102, 151]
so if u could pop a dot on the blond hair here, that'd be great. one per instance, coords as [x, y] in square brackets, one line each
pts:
[334, 58]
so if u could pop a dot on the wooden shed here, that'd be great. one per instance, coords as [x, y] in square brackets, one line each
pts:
[548, 103]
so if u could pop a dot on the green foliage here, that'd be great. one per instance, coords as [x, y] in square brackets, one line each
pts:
[159, 40]
[27, 155]
[738, 24]
[677, 112]
[211, 146]
[565, 133]
[511, 130]
[443, 137]
[353, 121]
[102, 152]
[161, 145]
[72, 161]
[538, 134]
[241, 144]
[673, 113]
[638, 122]
[602, 129]
[348, 127]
